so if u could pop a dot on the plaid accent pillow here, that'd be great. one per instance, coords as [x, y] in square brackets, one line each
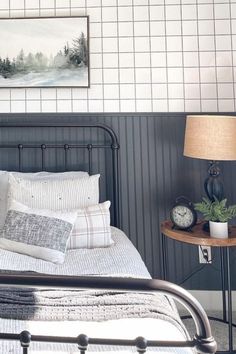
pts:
[92, 227]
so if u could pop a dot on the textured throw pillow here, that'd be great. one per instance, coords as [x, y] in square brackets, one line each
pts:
[36, 232]
[55, 194]
[4, 184]
[92, 227]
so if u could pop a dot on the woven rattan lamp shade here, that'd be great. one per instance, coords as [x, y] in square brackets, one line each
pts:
[210, 137]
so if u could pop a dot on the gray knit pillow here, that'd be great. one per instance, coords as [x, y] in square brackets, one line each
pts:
[36, 232]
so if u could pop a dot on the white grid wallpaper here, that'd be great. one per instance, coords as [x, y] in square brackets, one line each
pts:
[146, 56]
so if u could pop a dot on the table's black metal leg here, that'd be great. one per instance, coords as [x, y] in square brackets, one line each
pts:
[229, 300]
[223, 283]
[164, 256]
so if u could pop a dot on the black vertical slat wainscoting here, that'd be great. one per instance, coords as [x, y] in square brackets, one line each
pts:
[153, 172]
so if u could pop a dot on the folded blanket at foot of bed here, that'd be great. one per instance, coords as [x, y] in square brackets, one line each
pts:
[85, 305]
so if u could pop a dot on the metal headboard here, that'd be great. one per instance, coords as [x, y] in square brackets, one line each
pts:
[110, 143]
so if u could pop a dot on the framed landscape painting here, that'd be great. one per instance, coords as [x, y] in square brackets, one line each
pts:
[44, 52]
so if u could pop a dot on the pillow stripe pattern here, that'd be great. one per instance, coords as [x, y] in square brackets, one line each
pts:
[92, 227]
[4, 184]
[65, 194]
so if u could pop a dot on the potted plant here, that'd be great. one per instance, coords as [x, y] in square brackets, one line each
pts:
[218, 215]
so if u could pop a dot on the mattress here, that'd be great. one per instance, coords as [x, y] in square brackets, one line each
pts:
[121, 259]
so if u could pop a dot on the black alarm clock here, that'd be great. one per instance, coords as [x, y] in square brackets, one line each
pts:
[183, 214]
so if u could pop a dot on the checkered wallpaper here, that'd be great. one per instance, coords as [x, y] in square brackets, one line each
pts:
[146, 55]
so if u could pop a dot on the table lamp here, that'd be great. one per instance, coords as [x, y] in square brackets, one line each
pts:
[212, 138]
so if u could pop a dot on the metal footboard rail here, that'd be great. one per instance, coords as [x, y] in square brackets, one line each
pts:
[203, 341]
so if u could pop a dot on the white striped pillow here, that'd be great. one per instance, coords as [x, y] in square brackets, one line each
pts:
[55, 194]
[92, 227]
[4, 184]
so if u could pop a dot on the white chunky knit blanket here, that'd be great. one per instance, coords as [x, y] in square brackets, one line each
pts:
[84, 305]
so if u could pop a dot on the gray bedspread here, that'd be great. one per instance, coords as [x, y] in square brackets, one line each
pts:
[121, 260]
[85, 305]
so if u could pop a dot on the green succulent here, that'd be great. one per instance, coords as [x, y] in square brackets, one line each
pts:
[216, 210]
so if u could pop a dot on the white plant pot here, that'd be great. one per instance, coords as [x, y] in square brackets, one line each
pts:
[218, 229]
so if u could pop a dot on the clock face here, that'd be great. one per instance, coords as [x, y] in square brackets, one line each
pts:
[182, 216]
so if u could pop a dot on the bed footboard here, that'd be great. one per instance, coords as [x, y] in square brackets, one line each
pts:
[202, 342]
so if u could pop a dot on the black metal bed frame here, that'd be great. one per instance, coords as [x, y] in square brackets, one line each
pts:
[203, 340]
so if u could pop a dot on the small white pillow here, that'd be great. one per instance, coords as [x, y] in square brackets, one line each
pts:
[92, 227]
[4, 184]
[38, 233]
[55, 194]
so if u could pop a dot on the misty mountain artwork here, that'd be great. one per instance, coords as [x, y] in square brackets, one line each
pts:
[44, 52]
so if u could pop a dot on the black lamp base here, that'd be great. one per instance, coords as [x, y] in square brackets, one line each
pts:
[213, 185]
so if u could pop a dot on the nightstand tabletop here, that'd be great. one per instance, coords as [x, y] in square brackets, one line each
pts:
[197, 236]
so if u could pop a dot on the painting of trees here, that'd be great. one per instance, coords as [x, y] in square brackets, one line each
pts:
[62, 61]
[68, 57]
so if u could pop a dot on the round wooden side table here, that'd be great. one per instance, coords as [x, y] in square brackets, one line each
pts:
[197, 236]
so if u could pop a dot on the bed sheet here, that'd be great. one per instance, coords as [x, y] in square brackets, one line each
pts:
[121, 259]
